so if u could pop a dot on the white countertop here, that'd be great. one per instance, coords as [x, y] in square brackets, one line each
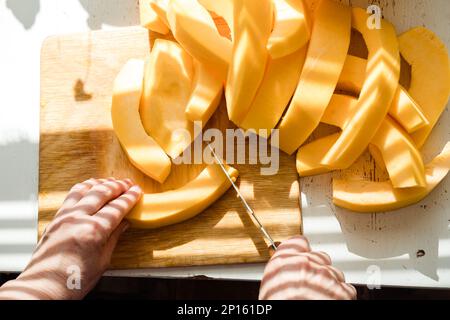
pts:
[359, 244]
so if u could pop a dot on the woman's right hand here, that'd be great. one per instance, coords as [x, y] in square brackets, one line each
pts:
[296, 273]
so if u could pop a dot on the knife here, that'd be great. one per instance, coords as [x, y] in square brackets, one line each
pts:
[244, 202]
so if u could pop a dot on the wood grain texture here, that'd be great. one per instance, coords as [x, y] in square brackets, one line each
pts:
[77, 143]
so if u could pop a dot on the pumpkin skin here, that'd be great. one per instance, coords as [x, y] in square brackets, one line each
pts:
[162, 209]
[142, 150]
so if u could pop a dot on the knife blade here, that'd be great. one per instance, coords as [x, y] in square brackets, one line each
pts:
[243, 201]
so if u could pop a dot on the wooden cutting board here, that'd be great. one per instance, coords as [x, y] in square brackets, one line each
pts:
[77, 143]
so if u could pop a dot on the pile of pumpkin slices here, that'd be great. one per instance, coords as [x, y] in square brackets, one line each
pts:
[285, 64]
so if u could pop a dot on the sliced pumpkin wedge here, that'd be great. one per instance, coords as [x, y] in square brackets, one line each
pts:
[353, 75]
[340, 110]
[279, 83]
[330, 40]
[310, 156]
[149, 18]
[168, 81]
[163, 209]
[368, 197]
[206, 95]
[407, 112]
[142, 150]
[391, 146]
[291, 29]
[311, 6]
[382, 76]
[252, 26]
[403, 108]
[194, 28]
[430, 75]
[160, 8]
[223, 8]
[400, 155]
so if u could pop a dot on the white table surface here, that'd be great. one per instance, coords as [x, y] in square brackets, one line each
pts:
[359, 244]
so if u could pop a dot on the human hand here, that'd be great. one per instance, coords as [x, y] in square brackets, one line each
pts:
[296, 273]
[78, 243]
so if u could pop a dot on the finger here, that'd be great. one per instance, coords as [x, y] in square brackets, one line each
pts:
[294, 246]
[350, 289]
[77, 192]
[338, 273]
[341, 292]
[114, 238]
[113, 212]
[101, 194]
[319, 258]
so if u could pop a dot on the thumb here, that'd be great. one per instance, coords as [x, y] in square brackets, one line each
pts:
[114, 238]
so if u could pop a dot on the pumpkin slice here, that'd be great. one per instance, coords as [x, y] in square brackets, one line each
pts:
[330, 40]
[193, 27]
[150, 19]
[391, 146]
[430, 75]
[252, 27]
[160, 8]
[340, 110]
[353, 75]
[311, 6]
[206, 95]
[401, 156]
[167, 89]
[142, 151]
[223, 8]
[162, 209]
[403, 108]
[291, 28]
[310, 156]
[382, 76]
[277, 88]
[407, 112]
[368, 197]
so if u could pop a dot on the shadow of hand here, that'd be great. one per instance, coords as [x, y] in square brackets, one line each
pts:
[25, 11]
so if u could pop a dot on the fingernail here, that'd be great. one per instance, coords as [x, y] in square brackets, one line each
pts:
[137, 189]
